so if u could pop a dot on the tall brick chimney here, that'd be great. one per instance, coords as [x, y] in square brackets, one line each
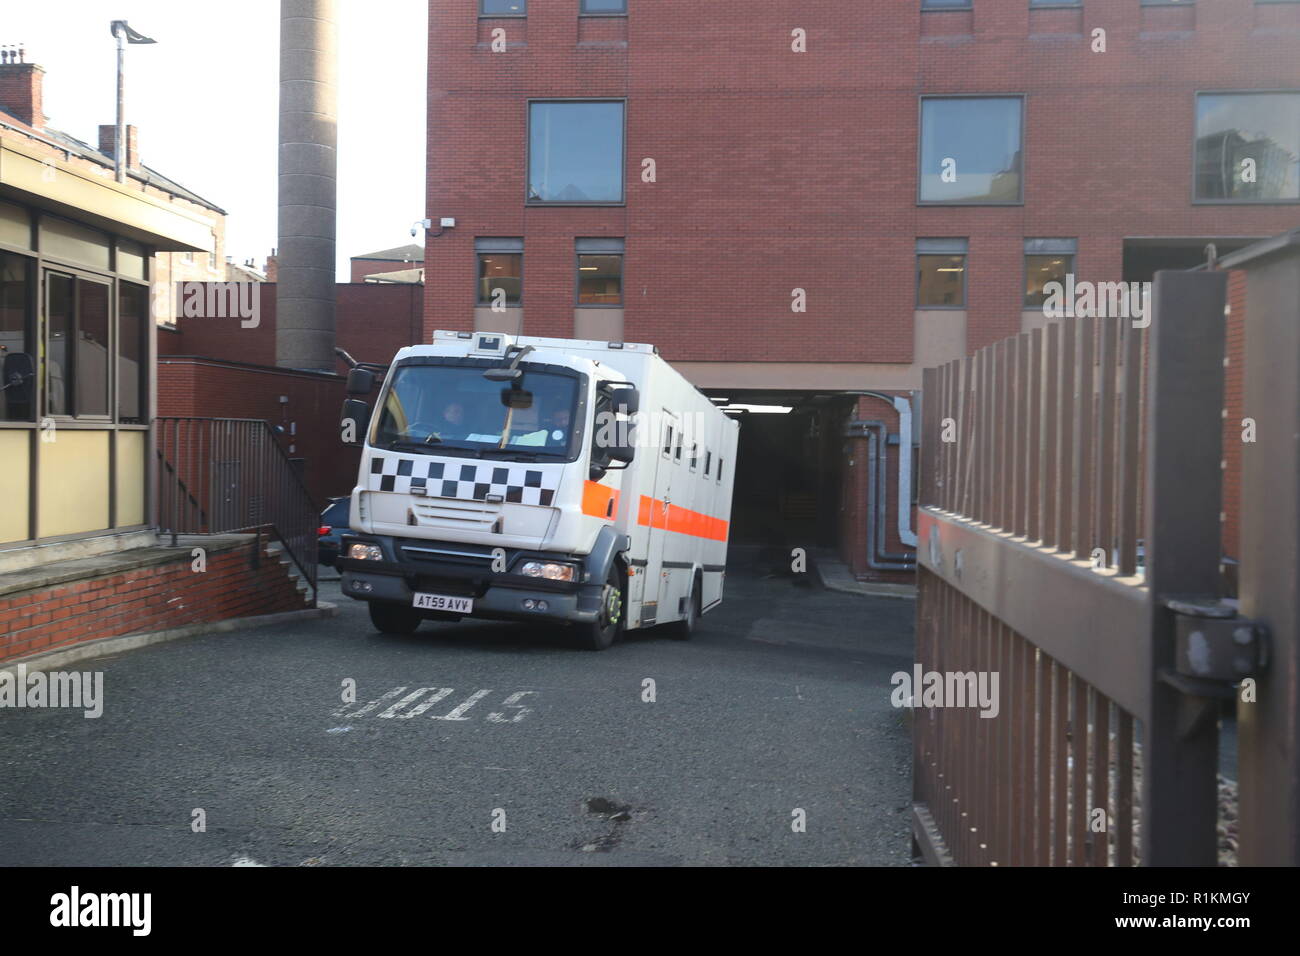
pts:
[108, 144]
[20, 91]
[304, 290]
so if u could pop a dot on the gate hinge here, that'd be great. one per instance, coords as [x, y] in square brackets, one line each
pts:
[1213, 643]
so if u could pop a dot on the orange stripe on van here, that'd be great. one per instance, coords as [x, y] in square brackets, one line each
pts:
[655, 514]
[599, 501]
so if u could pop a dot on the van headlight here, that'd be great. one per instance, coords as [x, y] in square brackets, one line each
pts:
[550, 570]
[360, 551]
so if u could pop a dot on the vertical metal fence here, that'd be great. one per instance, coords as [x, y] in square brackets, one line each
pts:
[1044, 455]
[225, 475]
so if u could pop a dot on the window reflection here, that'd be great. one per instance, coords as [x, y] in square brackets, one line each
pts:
[1248, 146]
[132, 352]
[16, 350]
[970, 150]
[575, 152]
[91, 372]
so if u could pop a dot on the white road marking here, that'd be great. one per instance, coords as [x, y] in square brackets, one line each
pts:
[342, 711]
[339, 730]
[426, 704]
[408, 699]
[458, 713]
[246, 861]
[512, 701]
[404, 708]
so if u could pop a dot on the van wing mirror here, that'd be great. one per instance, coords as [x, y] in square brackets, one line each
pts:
[626, 398]
[354, 422]
[361, 381]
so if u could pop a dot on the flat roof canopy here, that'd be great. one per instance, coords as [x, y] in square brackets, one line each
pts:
[59, 187]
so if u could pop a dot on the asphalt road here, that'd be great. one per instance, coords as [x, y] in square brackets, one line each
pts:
[521, 751]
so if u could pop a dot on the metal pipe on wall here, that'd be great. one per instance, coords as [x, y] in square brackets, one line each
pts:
[903, 406]
[878, 559]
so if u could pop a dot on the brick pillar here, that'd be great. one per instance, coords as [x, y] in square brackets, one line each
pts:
[108, 144]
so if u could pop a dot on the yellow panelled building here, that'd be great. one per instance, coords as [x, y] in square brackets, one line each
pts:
[77, 341]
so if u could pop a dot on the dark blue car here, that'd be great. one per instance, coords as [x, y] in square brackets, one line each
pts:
[333, 523]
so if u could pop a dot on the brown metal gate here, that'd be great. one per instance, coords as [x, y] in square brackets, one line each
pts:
[1070, 543]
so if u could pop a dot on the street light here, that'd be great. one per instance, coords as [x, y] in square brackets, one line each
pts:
[124, 35]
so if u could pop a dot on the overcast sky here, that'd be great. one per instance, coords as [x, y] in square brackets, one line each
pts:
[204, 98]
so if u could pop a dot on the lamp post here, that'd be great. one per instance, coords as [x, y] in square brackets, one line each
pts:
[124, 35]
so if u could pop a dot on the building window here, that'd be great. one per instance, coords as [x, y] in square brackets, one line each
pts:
[971, 149]
[132, 353]
[695, 456]
[1248, 147]
[1056, 3]
[719, 470]
[1046, 260]
[77, 367]
[941, 273]
[607, 8]
[600, 272]
[17, 368]
[708, 462]
[668, 440]
[500, 271]
[503, 8]
[575, 152]
[946, 4]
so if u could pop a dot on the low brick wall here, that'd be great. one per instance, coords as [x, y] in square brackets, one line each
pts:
[156, 590]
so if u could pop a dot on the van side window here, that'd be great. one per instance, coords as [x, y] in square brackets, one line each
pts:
[719, 469]
[668, 440]
[708, 462]
[695, 456]
[677, 450]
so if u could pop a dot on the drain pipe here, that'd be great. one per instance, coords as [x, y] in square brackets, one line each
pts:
[905, 561]
[904, 408]
[877, 487]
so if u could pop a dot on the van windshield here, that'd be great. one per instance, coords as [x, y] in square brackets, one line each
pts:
[450, 407]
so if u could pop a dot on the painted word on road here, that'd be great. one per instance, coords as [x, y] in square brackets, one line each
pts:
[398, 704]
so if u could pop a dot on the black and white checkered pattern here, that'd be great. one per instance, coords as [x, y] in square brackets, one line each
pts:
[471, 481]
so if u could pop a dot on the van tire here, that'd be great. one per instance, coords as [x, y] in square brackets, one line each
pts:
[684, 629]
[600, 634]
[393, 618]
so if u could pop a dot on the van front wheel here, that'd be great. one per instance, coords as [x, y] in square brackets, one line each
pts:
[602, 632]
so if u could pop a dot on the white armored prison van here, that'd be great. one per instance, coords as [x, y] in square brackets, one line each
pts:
[521, 478]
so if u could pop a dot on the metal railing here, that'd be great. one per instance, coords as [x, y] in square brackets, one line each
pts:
[1043, 456]
[229, 475]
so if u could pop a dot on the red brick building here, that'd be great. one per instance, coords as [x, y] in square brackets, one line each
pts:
[801, 201]
[223, 367]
